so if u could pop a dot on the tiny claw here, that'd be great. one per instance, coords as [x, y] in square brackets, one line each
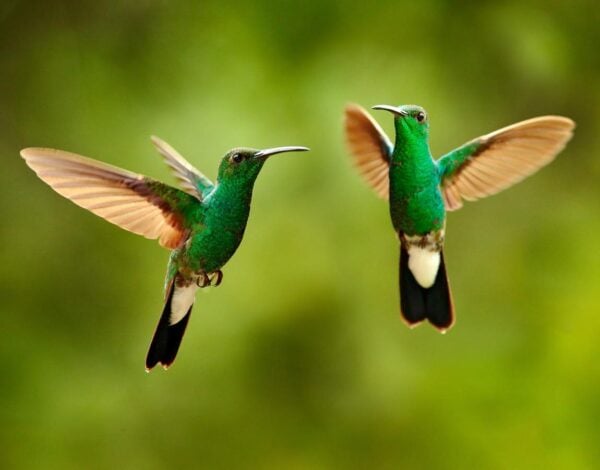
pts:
[203, 280]
[218, 275]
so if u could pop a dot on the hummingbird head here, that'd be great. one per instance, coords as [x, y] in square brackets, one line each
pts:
[243, 164]
[410, 120]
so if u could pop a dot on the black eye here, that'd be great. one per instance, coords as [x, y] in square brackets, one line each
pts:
[237, 157]
[420, 116]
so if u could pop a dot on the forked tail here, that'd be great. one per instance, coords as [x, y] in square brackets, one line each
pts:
[420, 303]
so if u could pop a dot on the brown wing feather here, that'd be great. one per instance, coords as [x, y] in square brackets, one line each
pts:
[506, 157]
[119, 196]
[190, 178]
[370, 148]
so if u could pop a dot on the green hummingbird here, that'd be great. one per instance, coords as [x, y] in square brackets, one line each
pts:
[421, 190]
[203, 224]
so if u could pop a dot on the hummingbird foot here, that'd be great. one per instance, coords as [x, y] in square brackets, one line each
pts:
[216, 278]
[202, 280]
[205, 279]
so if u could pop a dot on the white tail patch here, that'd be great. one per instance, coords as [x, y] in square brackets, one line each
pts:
[183, 299]
[423, 264]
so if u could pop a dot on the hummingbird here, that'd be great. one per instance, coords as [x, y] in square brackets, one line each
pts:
[422, 190]
[203, 223]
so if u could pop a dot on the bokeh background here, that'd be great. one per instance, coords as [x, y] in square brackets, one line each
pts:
[299, 360]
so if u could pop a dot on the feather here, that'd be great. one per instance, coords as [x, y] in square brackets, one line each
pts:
[370, 148]
[190, 179]
[496, 161]
[128, 200]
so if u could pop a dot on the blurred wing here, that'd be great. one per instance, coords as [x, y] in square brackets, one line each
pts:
[133, 202]
[370, 148]
[493, 162]
[190, 179]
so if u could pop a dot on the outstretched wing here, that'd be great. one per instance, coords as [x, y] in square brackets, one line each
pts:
[493, 162]
[370, 148]
[190, 179]
[133, 202]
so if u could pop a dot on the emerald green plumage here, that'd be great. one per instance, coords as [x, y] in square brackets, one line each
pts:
[223, 220]
[204, 225]
[454, 160]
[421, 190]
[217, 223]
[416, 205]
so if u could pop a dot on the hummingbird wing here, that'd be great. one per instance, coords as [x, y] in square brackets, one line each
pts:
[495, 161]
[133, 202]
[370, 147]
[190, 179]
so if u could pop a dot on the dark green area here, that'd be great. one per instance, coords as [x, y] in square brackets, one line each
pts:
[299, 360]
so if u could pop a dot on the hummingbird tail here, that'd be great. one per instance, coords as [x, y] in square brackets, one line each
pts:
[169, 333]
[419, 303]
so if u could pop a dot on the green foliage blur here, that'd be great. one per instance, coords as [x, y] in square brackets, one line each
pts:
[299, 360]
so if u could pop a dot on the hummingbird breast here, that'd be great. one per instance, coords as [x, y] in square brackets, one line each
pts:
[416, 204]
[416, 209]
[220, 235]
[210, 249]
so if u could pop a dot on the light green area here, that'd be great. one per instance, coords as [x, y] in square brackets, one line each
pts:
[299, 360]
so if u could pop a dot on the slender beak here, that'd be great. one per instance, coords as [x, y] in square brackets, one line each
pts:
[391, 109]
[268, 152]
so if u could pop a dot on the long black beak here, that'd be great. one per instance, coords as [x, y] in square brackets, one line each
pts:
[391, 109]
[268, 152]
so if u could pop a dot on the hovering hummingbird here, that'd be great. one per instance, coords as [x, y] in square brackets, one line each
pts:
[420, 189]
[203, 225]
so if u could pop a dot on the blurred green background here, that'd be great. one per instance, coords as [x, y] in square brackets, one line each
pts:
[299, 360]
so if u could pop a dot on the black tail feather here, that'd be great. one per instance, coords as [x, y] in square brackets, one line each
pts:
[167, 338]
[418, 303]
[412, 299]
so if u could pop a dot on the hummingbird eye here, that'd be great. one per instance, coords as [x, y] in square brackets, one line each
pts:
[237, 158]
[420, 116]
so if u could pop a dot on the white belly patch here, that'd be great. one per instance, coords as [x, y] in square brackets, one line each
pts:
[423, 264]
[183, 299]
